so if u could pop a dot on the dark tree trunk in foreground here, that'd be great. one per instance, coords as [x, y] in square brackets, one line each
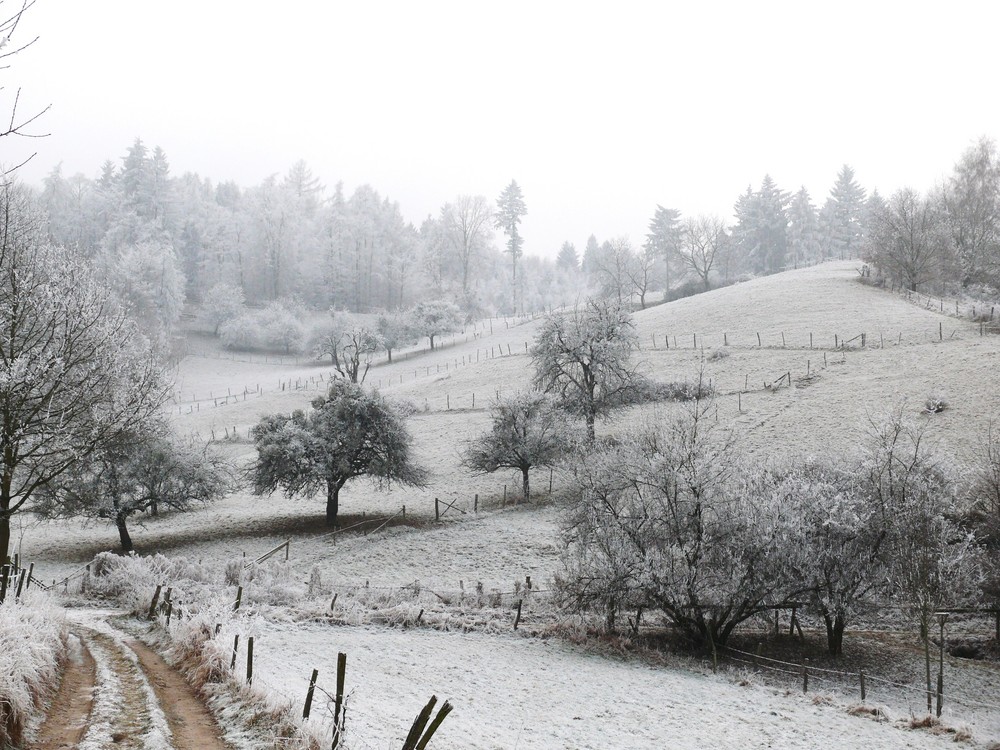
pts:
[332, 502]
[526, 485]
[835, 626]
[124, 535]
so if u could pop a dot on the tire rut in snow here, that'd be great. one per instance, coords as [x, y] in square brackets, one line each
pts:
[69, 713]
[190, 722]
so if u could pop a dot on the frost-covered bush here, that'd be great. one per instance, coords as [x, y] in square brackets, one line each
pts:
[32, 648]
[936, 402]
[275, 328]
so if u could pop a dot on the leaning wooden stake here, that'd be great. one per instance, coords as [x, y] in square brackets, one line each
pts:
[517, 618]
[441, 716]
[309, 694]
[152, 604]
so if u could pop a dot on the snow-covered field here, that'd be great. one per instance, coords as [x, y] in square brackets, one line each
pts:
[513, 691]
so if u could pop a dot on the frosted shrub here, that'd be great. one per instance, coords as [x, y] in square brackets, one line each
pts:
[32, 647]
[936, 402]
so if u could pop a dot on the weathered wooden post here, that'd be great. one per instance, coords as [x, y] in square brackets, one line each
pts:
[250, 660]
[309, 694]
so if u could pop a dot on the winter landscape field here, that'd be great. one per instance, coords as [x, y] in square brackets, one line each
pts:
[424, 606]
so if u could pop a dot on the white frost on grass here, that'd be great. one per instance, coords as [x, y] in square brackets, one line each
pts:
[509, 691]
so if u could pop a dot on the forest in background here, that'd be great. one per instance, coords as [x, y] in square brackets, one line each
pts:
[289, 242]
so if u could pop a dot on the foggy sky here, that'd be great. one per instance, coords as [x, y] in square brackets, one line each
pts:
[600, 111]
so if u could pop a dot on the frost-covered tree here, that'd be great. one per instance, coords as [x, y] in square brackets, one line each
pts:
[803, 232]
[223, 302]
[350, 343]
[395, 330]
[144, 469]
[510, 210]
[467, 224]
[703, 242]
[664, 239]
[909, 239]
[662, 523]
[583, 359]
[347, 433]
[568, 260]
[528, 431]
[611, 267]
[150, 284]
[843, 217]
[75, 371]
[432, 318]
[972, 201]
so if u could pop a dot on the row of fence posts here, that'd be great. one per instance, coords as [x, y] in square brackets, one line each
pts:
[13, 576]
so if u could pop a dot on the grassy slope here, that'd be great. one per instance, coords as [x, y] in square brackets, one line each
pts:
[827, 414]
[502, 545]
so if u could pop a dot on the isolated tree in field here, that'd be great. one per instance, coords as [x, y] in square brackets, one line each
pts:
[347, 433]
[909, 239]
[350, 343]
[75, 372]
[528, 431]
[703, 241]
[139, 470]
[223, 302]
[583, 359]
[434, 318]
[510, 211]
[395, 331]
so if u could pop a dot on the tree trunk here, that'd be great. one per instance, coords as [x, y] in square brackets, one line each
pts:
[4, 539]
[431, 337]
[123, 534]
[389, 352]
[835, 626]
[527, 488]
[591, 434]
[332, 502]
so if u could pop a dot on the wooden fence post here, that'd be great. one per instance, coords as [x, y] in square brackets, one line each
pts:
[517, 618]
[309, 694]
[437, 511]
[475, 505]
[805, 676]
[862, 675]
[236, 649]
[239, 598]
[250, 660]
[152, 604]
[338, 701]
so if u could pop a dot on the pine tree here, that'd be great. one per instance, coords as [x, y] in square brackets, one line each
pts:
[803, 230]
[664, 239]
[844, 216]
[510, 211]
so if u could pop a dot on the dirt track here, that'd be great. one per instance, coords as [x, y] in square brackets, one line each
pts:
[117, 692]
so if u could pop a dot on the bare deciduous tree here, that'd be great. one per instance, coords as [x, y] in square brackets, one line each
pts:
[702, 241]
[583, 359]
[74, 370]
[528, 431]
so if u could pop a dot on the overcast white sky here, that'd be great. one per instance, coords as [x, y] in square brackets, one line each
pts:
[600, 110]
